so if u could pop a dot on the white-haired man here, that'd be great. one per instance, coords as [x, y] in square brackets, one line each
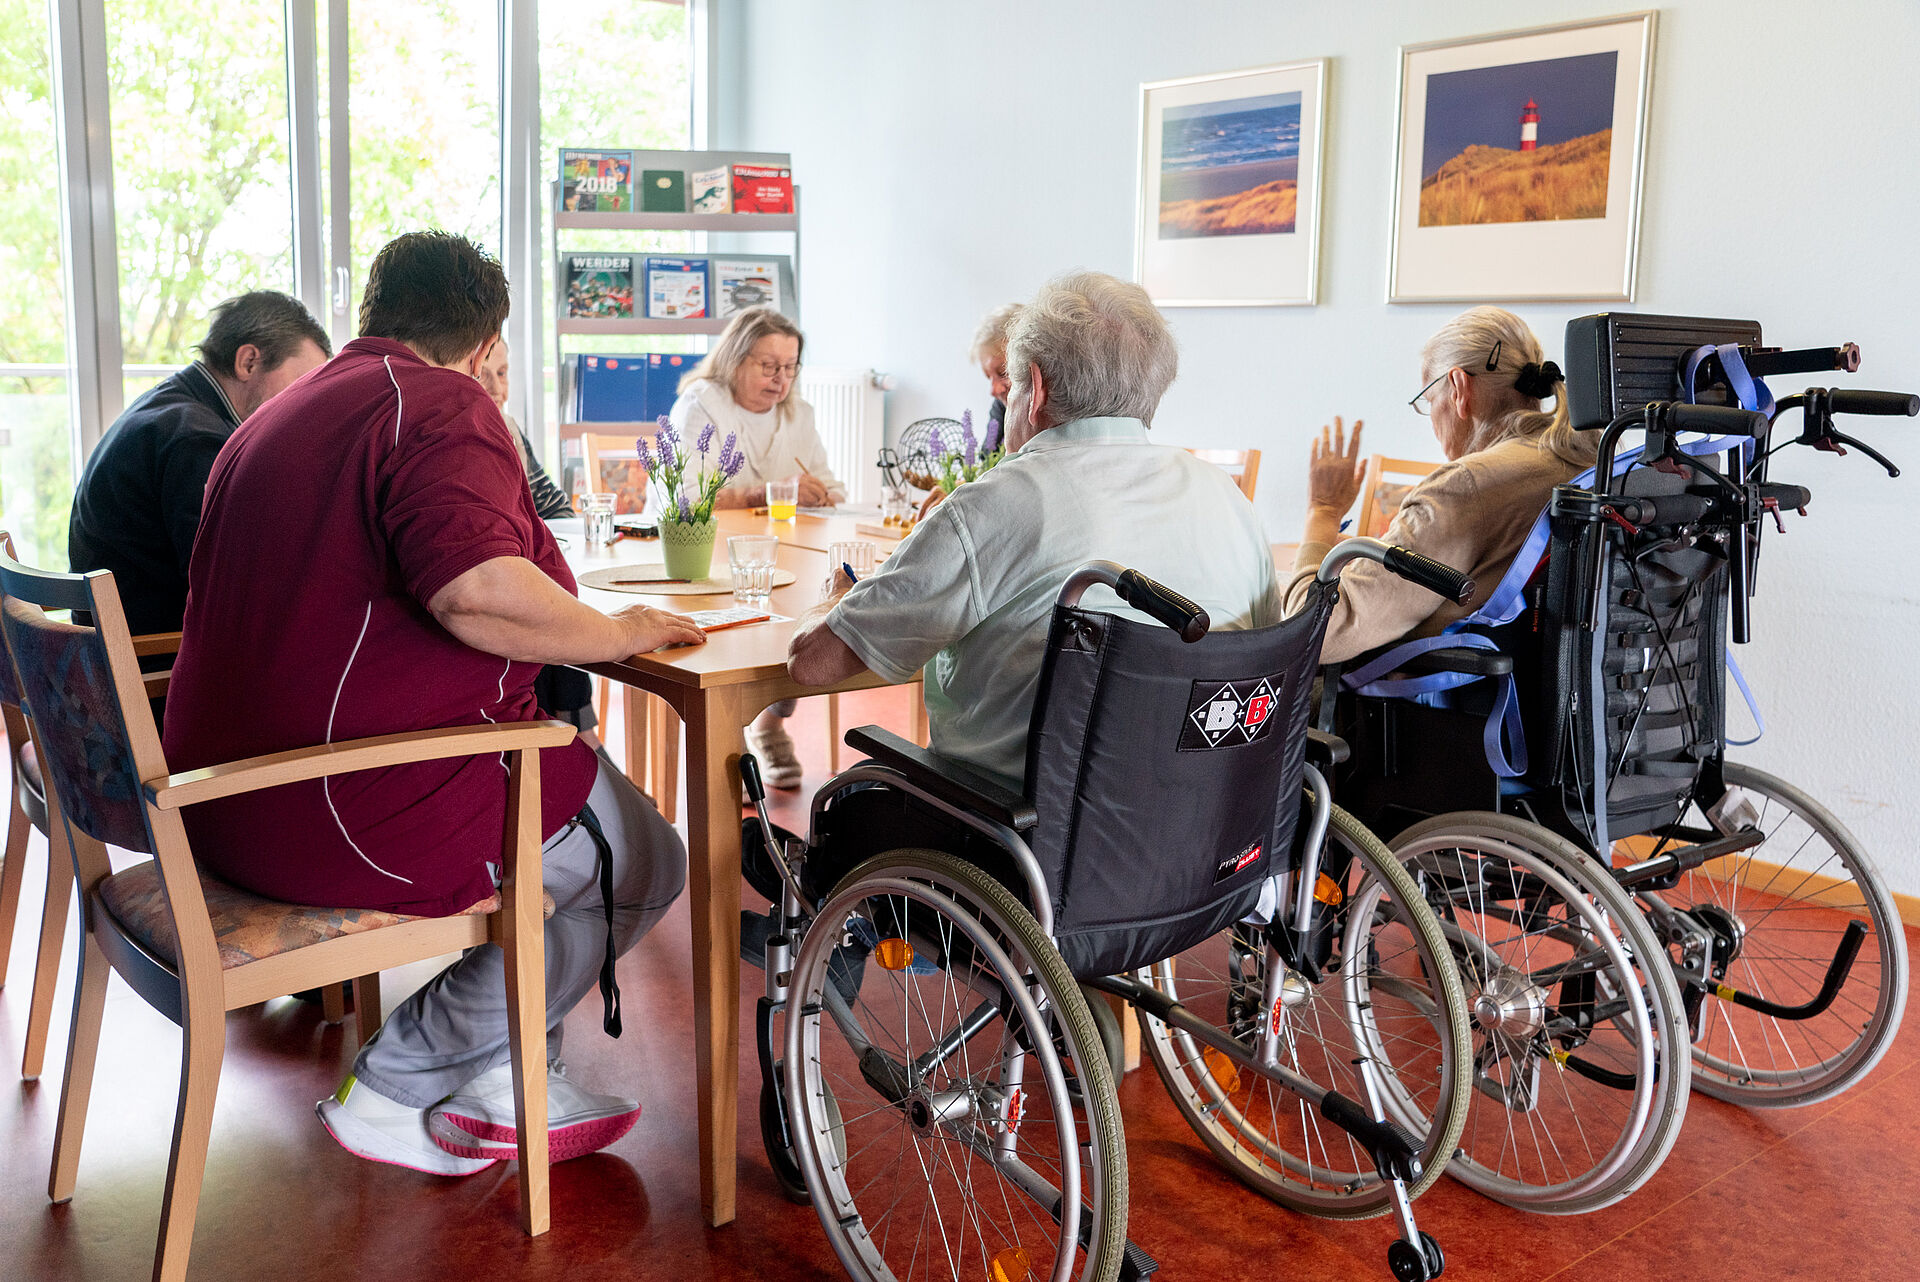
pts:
[967, 599]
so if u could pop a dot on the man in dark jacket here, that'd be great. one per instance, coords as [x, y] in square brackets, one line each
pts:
[138, 502]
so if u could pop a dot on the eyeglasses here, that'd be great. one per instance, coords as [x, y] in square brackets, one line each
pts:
[1423, 404]
[771, 369]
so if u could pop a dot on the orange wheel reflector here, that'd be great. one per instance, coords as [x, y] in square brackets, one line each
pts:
[1010, 1265]
[1328, 891]
[1224, 1071]
[893, 954]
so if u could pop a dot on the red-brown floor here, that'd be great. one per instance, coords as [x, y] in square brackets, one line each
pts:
[1825, 1192]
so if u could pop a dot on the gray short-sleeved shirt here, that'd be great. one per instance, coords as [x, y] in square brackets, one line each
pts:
[969, 595]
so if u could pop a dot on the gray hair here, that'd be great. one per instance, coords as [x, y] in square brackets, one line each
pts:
[745, 329]
[273, 322]
[991, 338]
[1492, 335]
[1101, 345]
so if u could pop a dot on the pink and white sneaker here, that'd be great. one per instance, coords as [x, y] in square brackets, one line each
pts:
[477, 1120]
[370, 1125]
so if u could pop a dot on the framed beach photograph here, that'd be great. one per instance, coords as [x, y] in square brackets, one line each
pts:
[1229, 191]
[1518, 170]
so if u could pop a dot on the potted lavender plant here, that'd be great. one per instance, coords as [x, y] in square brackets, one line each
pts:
[968, 461]
[687, 488]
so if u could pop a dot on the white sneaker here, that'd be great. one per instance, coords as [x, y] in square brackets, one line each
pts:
[477, 1120]
[370, 1125]
[779, 765]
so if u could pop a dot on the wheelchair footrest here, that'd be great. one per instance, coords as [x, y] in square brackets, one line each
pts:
[1135, 1263]
[1395, 1153]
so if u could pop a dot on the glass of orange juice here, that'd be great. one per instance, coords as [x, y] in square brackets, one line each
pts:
[783, 499]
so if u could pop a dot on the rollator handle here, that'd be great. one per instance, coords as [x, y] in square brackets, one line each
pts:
[1896, 404]
[1442, 580]
[1164, 604]
[1723, 419]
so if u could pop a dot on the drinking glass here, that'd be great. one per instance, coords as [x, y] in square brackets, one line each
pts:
[783, 499]
[750, 557]
[896, 507]
[856, 554]
[598, 509]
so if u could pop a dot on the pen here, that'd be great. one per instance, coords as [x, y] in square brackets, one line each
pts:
[848, 571]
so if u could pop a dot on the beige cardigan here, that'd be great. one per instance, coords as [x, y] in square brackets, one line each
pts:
[1472, 514]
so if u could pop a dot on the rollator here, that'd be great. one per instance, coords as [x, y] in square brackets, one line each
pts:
[1613, 887]
[937, 1047]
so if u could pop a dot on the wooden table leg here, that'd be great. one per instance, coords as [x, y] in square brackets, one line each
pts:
[715, 718]
[633, 717]
[1129, 1033]
[663, 728]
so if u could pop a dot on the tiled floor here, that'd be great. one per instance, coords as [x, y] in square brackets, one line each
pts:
[1826, 1192]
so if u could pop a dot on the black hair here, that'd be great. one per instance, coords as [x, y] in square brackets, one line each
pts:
[438, 292]
[273, 322]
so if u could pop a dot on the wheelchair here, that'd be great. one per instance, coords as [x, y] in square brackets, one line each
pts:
[1626, 890]
[937, 1047]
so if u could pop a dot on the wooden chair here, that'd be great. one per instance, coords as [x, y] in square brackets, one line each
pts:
[653, 740]
[194, 947]
[1242, 465]
[1374, 516]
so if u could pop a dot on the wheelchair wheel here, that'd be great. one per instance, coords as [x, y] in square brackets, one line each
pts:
[1392, 1001]
[1781, 910]
[1577, 1016]
[966, 1153]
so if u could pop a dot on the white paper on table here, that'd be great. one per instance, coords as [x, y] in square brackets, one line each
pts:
[843, 509]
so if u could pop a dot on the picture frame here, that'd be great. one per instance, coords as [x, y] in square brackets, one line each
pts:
[1227, 210]
[1519, 164]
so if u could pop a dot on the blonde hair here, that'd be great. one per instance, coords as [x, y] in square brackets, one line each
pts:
[991, 337]
[1503, 411]
[720, 365]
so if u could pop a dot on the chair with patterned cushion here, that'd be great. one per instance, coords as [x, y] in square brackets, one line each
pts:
[195, 948]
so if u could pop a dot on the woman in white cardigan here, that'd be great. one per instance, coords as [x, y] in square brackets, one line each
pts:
[744, 386]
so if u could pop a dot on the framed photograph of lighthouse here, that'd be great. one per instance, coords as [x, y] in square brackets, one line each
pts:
[1228, 207]
[1518, 171]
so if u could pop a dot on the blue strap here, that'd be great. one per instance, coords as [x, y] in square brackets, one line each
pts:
[1752, 393]
[1753, 705]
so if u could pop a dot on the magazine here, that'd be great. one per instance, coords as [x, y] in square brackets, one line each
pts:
[762, 189]
[596, 181]
[599, 286]
[709, 191]
[740, 283]
[676, 288]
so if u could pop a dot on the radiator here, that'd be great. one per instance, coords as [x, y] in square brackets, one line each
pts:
[849, 410]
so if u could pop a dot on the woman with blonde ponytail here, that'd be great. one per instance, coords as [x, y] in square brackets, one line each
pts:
[1485, 377]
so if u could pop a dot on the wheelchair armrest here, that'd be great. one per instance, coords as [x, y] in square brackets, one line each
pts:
[951, 781]
[1324, 750]
[1479, 663]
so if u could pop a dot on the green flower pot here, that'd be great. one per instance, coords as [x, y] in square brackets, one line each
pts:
[688, 548]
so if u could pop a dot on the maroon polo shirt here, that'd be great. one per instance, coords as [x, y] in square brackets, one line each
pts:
[333, 515]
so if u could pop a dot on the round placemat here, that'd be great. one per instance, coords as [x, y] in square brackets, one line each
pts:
[717, 584]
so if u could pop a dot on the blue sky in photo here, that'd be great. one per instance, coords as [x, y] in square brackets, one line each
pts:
[1483, 105]
[1238, 131]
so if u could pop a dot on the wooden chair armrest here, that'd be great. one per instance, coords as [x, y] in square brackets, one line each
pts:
[156, 683]
[190, 787]
[156, 643]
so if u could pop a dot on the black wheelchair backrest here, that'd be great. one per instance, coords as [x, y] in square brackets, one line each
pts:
[1166, 775]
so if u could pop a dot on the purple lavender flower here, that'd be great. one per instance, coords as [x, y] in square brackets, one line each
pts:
[970, 448]
[686, 511]
[646, 455]
[704, 440]
[935, 446]
[666, 442]
[731, 459]
[991, 441]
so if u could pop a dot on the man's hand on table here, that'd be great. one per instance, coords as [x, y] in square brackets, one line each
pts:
[650, 629]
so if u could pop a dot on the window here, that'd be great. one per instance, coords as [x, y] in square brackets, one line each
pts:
[203, 205]
[36, 449]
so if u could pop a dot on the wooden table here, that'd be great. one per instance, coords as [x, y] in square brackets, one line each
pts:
[717, 689]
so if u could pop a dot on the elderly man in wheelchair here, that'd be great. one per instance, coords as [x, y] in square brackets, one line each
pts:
[1122, 796]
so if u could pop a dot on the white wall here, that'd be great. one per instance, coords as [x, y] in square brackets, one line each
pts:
[954, 156]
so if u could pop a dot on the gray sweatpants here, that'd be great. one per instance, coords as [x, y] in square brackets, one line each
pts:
[455, 1028]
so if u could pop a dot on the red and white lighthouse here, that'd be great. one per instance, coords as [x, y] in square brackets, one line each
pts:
[1530, 126]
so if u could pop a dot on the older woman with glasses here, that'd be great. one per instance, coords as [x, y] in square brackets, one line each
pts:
[745, 386]
[1485, 377]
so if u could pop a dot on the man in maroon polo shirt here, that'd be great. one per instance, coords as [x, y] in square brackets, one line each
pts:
[369, 561]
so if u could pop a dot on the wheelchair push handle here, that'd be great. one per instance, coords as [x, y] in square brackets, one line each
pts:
[750, 779]
[1894, 404]
[1722, 420]
[1434, 576]
[1155, 600]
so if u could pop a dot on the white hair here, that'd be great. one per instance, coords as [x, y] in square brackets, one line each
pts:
[1100, 344]
[991, 338]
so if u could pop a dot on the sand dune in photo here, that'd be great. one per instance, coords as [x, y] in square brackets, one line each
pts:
[1258, 211]
[1495, 185]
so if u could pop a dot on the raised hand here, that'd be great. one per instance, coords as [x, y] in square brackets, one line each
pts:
[1335, 468]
